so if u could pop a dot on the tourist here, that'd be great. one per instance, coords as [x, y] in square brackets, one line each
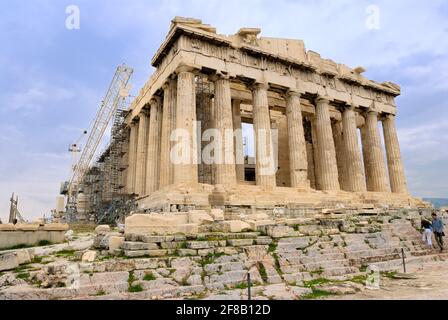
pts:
[426, 227]
[437, 227]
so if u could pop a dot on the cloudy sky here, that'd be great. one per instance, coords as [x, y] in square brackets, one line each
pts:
[53, 78]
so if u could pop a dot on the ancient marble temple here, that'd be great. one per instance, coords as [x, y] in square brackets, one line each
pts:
[327, 119]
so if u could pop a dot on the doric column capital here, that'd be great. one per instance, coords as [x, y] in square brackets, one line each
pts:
[389, 116]
[292, 93]
[185, 68]
[322, 99]
[166, 85]
[260, 85]
[155, 100]
[219, 76]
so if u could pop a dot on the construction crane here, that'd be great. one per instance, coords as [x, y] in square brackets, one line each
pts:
[117, 92]
[14, 214]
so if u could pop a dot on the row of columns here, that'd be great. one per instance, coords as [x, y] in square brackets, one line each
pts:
[336, 150]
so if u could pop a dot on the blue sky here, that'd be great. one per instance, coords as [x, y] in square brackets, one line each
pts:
[52, 79]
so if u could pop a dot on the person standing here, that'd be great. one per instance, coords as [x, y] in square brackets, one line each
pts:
[426, 232]
[437, 227]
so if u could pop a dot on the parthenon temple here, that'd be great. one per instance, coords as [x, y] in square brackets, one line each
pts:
[324, 135]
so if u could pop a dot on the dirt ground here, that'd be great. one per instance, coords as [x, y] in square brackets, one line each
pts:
[430, 283]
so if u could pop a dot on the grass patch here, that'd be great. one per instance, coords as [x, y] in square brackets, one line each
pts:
[389, 274]
[318, 271]
[277, 264]
[133, 288]
[272, 246]
[363, 268]
[23, 276]
[361, 279]
[100, 292]
[43, 243]
[210, 258]
[242, 285]
[149, 276]
[18, 246]
[316, 282]
[316, 294]
[262, 271]
[65, 253]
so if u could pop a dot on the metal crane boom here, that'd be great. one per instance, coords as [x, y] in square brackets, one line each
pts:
[111, 101]
[103, 117]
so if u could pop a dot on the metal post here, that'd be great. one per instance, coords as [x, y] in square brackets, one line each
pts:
[248, 287]
[404, 262]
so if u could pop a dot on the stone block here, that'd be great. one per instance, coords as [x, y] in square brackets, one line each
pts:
[187, 252]
[239, 242]
[23, 256]
[27, 226]
[102, 229]
[198, 245]
[217, 214]
[128, 245]
[199, 217]
[281, 231]
[8, 261]
[7, 227]
[115, 243]
[235, 226]
[263, 240]
[89, 256]
[55, 227]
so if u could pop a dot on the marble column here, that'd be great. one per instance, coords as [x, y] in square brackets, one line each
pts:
[225, 166]
[373, 156]
[132, 153]
[328, 168]
[153, 158]
[265, 162]
[142, 147]
[166, 166]
[355, 180]
[186, 168]
[336, 127]
[396, 171]
[298, 162]
[238, 141]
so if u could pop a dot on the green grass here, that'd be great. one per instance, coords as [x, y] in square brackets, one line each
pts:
[389, 274]
[316, 282]
[272, 246]
[363, 268]
[23, 276]
[359, 279]
[208, 259]
[277, 264]
[133, 288]
[262, 271]
[100, 292]
[149, 276]
[241, 285]
[316, 294]
[65, 253]
[318, 271]
[43, 243]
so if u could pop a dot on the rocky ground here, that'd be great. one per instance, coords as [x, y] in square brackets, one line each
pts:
[64, 271]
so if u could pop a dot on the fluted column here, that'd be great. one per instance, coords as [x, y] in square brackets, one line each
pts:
[298, 162]
[142, 147]
[166, 166]
[153, 158]
[373, 156]
[355, 180]
[265, 163]
[336, 127]
[328, 168]
[132, 153]
[186, 149]
[225, 166]
[396, 171]
[238, 142]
